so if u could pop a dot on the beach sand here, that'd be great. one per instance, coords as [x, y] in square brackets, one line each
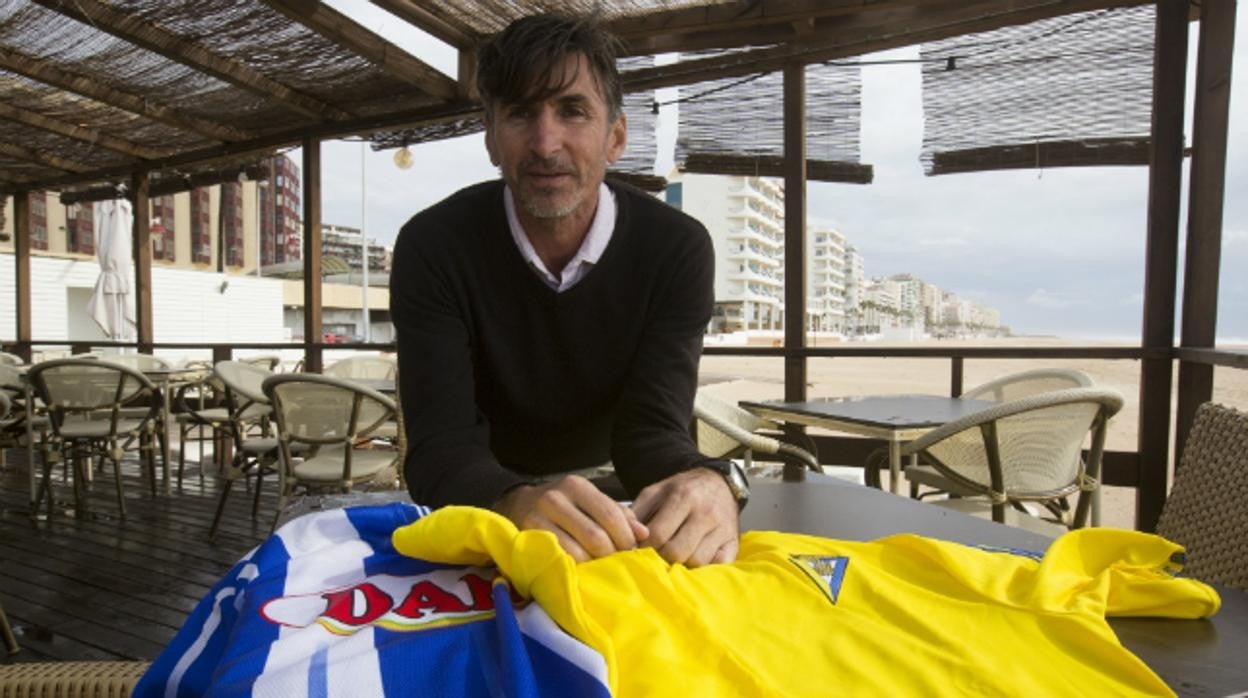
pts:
[737, 378]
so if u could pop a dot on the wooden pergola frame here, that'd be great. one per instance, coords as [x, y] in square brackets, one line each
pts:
[804, 32]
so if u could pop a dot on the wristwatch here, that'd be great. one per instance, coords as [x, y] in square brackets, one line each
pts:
[734, 475]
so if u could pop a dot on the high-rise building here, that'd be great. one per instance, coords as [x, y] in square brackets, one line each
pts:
[745, 216]
[281, 236]
[855, 280]
[825, 278]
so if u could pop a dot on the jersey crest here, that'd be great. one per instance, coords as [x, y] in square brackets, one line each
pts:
[828, 573]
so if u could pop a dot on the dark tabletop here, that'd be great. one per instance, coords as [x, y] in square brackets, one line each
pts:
[889, 411]
[1195, 657]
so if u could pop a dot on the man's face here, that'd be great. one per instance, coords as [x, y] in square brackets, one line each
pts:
[554, 153]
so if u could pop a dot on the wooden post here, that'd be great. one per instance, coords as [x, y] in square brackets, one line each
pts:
[1207, 190]
[1161, 258]
[794, 243]
[21, 272]
[955, 377]
[312, 255]
[139, 183]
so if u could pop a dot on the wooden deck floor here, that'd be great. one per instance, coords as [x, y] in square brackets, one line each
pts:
[99, 587]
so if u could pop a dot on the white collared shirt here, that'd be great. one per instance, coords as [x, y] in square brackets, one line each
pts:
[592, 247]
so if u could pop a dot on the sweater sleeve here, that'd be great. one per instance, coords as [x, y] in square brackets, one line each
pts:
[448, 458]
[651, 438]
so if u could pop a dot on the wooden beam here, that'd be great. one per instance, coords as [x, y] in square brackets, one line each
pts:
[1206, 196]
[854, 35]
[349, 34]
[293, 136]
[21, 271]
[312, 255]
[466, 73]
[171, 185]
[738, 16]
[1231, 358]
[139, 198]
[80, 133]
[774, 166]
[175, 47]
[1090, 152]
[46, 159]
[1161, 258]
[794, 240]
[49, 74]
[431, 21]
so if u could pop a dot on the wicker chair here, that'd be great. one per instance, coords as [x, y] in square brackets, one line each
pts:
[725, 430]
[269, 362]
[70, 679]
[375, 367]
[327, 417]
[1206, 511]
[1011, 387]
[246, 406]
[85, 400]
[1025, 450]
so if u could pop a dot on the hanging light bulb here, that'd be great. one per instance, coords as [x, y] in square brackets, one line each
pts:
[403, 158]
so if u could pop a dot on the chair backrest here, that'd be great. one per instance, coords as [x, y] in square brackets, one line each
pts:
[1206, 511]
[376, 367]
[139, 362]
[1020, 385]
[4, 405]
[709, 409]
[1025, 449]
[243, 382]
[80, 387]
[325, 411]
[269, 362]
[10, 359]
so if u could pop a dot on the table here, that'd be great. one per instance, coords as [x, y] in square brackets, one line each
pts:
[894, 418]
[1195, 657]
[166, 379]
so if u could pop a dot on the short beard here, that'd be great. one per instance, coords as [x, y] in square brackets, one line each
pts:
[546, 212]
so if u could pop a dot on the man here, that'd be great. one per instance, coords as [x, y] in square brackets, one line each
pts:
[551, 322]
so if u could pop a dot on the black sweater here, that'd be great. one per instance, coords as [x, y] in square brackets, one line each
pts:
[503, 378]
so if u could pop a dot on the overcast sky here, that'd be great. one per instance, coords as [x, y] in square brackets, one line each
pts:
[1057, 251]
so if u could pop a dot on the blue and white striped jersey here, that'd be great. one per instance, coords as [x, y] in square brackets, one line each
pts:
[327, 607]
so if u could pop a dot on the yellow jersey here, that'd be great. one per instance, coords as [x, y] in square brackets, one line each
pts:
[799, 615]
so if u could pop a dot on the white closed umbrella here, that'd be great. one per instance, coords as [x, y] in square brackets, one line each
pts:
[112, 302]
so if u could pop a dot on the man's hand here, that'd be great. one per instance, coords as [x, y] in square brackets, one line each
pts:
[692, 517]
[587, 523]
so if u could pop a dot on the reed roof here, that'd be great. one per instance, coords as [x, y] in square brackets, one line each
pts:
[92, 90]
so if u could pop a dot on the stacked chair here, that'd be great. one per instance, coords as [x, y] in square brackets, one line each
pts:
[247, 410]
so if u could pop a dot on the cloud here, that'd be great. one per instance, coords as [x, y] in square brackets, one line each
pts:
[952, 241]
[1235, 237]
[1055, 299]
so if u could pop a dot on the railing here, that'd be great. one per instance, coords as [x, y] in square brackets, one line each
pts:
[1121, 468]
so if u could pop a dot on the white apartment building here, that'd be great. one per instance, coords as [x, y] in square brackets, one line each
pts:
[826, 280]
[855, 281]
[745, 217]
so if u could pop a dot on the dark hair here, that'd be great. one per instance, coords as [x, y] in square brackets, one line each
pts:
[523, 63]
